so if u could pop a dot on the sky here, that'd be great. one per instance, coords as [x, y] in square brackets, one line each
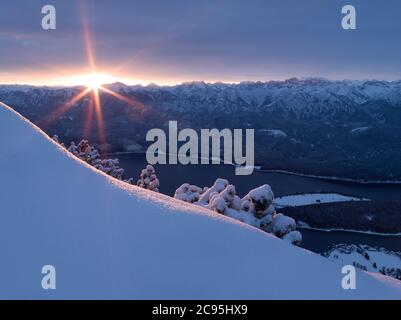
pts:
[172, 41]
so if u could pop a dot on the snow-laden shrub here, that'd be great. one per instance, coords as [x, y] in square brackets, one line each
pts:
[218, 186]
[82, 149]
[218, 204]
[148, 179]
[258, 200]
[188, 193]
[255, 209]
[92, 156]
[111, 167]
[73, 149]
[281, 225]
[294, 237]
[246, 205]
[56, 138]
[236, 204]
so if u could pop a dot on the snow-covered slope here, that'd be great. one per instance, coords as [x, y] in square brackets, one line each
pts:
[109, 240]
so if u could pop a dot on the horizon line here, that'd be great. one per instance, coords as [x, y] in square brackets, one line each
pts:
[207, 82]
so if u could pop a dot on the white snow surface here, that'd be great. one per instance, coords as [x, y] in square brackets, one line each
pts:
[108, 239]
[312, 198]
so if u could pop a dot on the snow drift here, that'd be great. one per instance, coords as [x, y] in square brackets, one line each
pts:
[108, 239]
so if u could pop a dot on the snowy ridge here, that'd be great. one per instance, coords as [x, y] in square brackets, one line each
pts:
[304, 225]
[108, 239]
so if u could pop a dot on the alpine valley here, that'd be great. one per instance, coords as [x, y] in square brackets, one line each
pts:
[345, 129]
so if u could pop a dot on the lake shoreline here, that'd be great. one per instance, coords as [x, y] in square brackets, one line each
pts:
[260, 168]
[359, 181]
[328, 230]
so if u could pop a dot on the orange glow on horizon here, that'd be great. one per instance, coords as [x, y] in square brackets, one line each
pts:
[93, 80]
[78, 77]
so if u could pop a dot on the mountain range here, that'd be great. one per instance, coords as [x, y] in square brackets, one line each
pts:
[348, 129]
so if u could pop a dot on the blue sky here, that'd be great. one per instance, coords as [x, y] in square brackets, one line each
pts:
[213, 40]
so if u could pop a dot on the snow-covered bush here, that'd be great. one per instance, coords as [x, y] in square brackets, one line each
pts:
[73, 149]
[57, 140]
[148, 179]
[258, 201]
[82, 149]
[256, 208]
[294, 237]
[281, 225]
[92, 155]
[218, 186]
[218, 204]
[188, 193]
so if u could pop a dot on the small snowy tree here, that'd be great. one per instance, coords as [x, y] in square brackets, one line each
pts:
[82, 150]
[294, 237]
[148, 179]
[188, 193]
[55, 138]
[228, 195]
[92, 155]
[281, 225]
[258, 201]
[218, 186]
[73, 149]
[111, 167]
[218, 204]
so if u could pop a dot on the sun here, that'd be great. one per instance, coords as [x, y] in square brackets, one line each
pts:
[95, 80]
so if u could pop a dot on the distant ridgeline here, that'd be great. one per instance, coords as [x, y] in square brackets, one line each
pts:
[348, 129]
